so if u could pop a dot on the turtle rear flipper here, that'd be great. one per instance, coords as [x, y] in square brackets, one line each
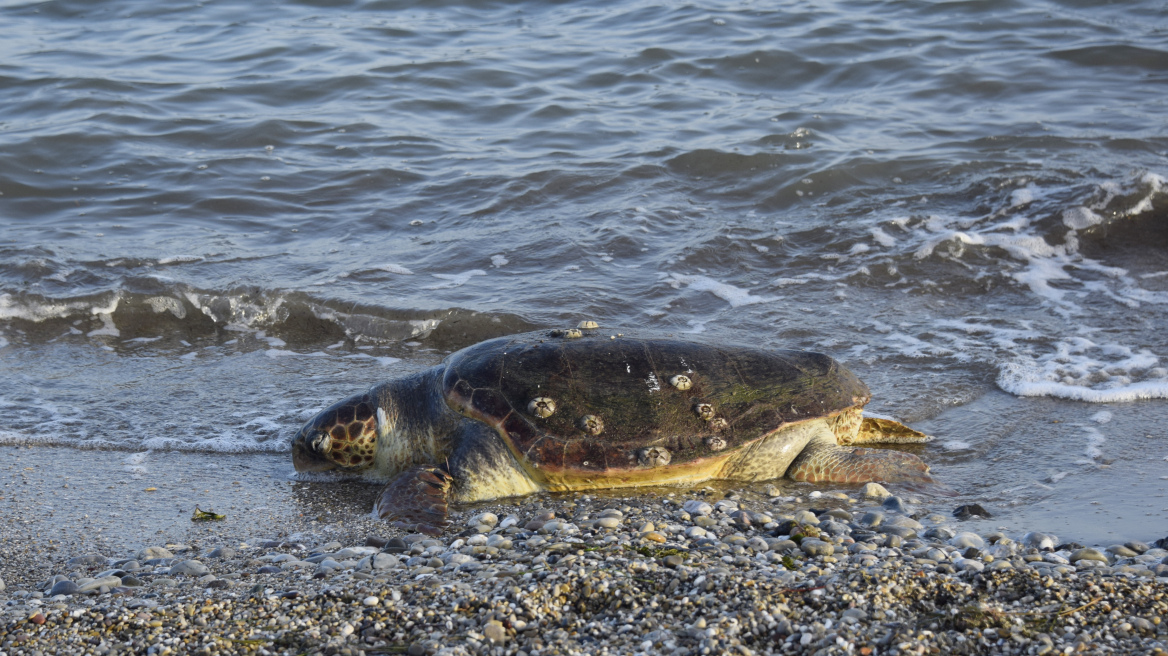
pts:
[416, 500]
[822, 461]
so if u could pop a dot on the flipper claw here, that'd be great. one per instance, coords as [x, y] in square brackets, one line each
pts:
[415, 500]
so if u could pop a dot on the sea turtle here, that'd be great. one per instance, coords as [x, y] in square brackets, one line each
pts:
[579, 409]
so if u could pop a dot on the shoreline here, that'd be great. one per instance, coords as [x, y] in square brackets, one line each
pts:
[304, 568]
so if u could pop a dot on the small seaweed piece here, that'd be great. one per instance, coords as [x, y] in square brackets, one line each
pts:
[205, 516]
[789, 563]
[658, 553]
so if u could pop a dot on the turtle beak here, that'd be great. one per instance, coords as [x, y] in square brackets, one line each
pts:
[309, 448]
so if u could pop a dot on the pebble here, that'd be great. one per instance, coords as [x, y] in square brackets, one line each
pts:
[189, 568]
[150, 553]
[1088, 554]
[813, 547]
[696, 507]
[599, 581]
[65, 587]
[971, 510]
[966, 539]
[875, 491]
[1040, 541]
[895, 504]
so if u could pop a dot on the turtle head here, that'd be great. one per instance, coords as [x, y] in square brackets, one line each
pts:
[343, 436]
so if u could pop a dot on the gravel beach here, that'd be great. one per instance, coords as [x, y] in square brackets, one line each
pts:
[303, 568]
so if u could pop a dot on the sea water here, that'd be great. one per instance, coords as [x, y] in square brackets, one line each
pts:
[216, 218]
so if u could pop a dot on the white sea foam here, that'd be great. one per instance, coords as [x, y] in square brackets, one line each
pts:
[390, 268]
[283, 353]
[384, 361]
[455, 279]
[1101, 417]
[498, 261]
[181, 259]
[1034, 356]
[735, 296]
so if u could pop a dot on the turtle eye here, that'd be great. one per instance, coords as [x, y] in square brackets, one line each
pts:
[321, 443]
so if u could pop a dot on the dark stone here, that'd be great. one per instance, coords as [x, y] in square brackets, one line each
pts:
[741, 518]
[971, 510]
[131, 581]
[1162, 543]
[219, 584]
[317, 558]
[222, 552]
[395, 545]
[785, 528]
[373, 541]
[971, 552]
[895, 504]
[270, 569]
[65, 587]
[1069, 546]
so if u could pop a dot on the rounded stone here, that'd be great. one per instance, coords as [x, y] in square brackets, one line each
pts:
[88, 560]
[65, 587]
[697, 507]
[813, 547]
[487, 518]
[806, 517]
[222, 552]
[189, 568]
[966, 539]
[875, 491]
[871, 519]
[1088, 554]
[608, 522]
[384, 561]
[1040, 541]
[495, 632]
[371, 601]
[542, 407]
[150, 553]
[895, 504]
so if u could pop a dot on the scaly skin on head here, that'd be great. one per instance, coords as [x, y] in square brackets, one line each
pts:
[386, 430]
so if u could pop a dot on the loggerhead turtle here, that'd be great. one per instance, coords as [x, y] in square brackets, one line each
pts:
[575, 409]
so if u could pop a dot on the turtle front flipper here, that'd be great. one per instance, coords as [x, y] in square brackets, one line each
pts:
[822, 461]
[874, 430]
[416, 500]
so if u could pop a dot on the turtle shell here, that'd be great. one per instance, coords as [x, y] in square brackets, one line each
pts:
[598, 406]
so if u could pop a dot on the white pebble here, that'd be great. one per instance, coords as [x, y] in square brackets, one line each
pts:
[371, 601]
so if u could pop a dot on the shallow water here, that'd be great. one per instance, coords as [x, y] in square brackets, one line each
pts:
[219, 217]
